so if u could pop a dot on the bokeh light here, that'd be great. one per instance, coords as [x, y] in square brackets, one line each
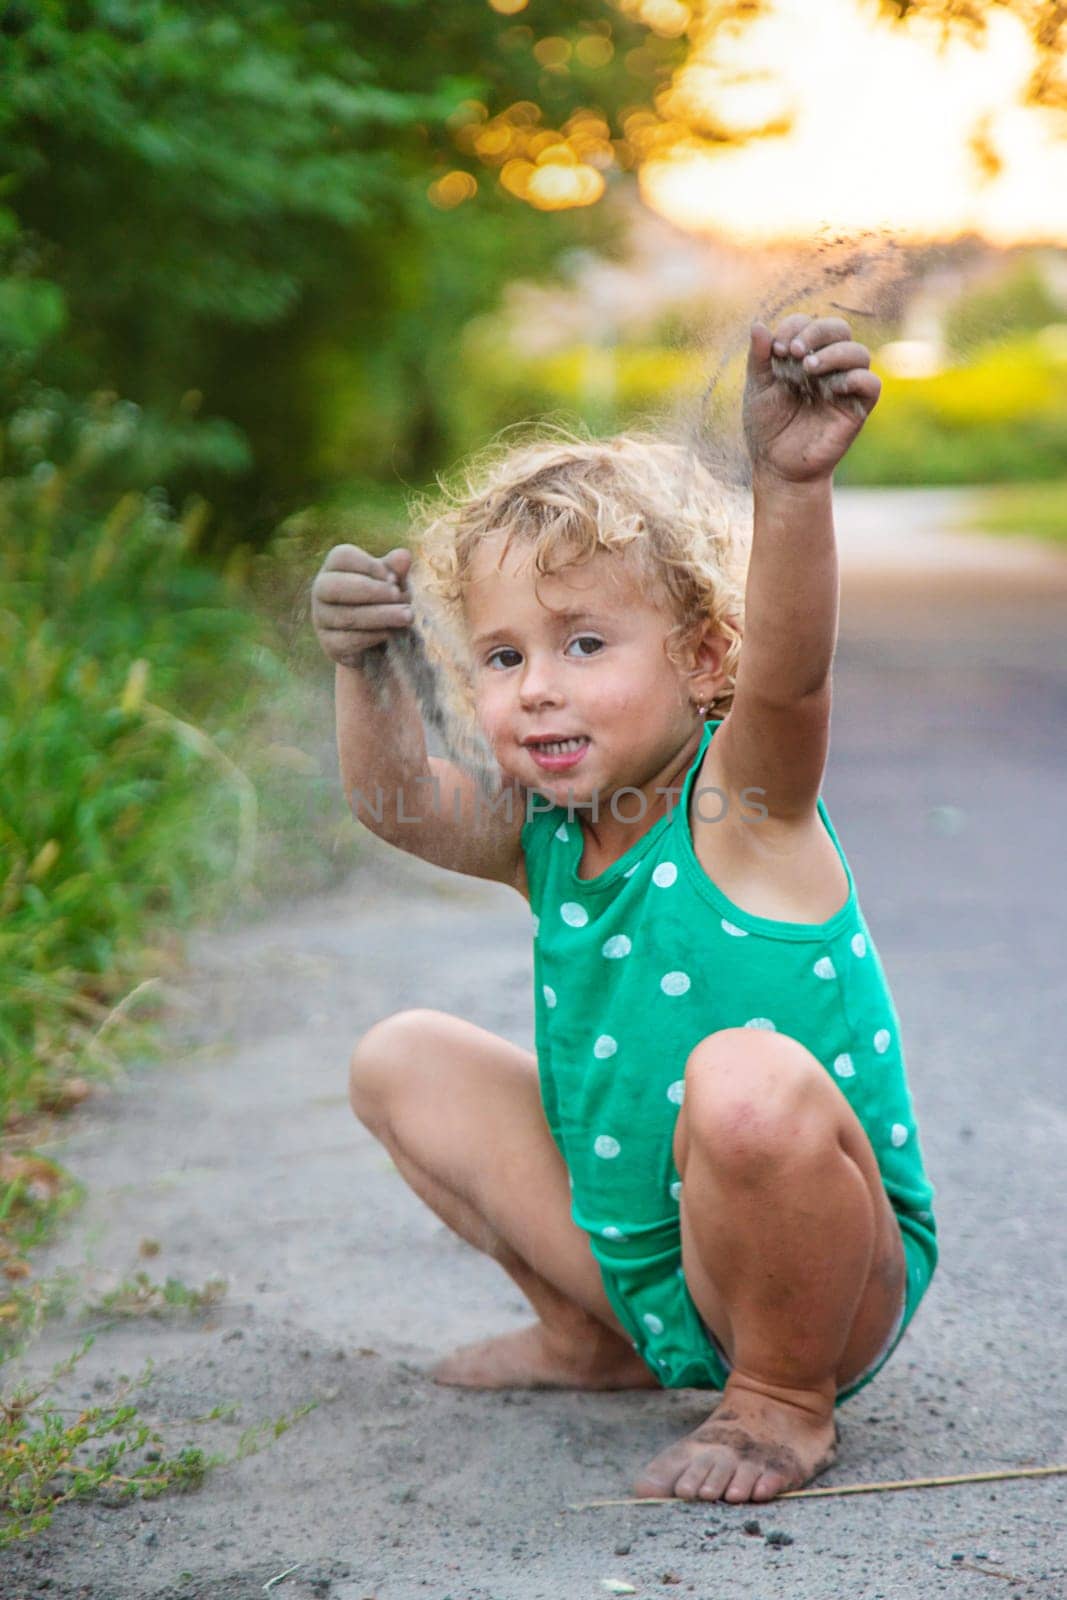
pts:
[452, 189]
[552, 169]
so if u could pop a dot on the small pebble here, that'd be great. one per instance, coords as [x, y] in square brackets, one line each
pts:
[958, 1556]
[751, 1527]
[623, 1549]
[776, 1536]
[151, 1537]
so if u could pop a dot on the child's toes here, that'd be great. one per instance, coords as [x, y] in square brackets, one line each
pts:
[722, 1471]
[705, 1464]
[659, 1479]
[742, 1483]
[769, 1485]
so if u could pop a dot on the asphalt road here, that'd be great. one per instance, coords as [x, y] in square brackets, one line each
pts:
[947, 784]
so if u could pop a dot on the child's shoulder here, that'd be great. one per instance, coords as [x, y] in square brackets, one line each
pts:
[787, 869]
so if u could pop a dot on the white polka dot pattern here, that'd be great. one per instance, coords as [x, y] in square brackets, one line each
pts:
[674, 982]
[633, 941]
[653, 1323]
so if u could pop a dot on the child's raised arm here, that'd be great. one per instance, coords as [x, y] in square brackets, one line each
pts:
[416, 801]
[777, 734]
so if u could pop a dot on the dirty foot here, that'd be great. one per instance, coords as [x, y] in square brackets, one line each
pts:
[752, 1447]
[532, 1358]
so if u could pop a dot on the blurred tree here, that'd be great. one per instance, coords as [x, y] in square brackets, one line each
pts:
[1045, 21]
[1018, 299]
[281, 211]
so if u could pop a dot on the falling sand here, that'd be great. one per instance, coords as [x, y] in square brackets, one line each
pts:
[430, 656]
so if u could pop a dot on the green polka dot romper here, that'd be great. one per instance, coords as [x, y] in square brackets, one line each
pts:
[631, 970]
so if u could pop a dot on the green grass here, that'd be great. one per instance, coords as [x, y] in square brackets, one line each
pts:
[163, 744]
[51, 1453]
[1035, 510]
[165, 731]
[164, 727]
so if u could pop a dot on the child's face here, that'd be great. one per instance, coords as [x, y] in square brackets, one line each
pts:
[599, 674]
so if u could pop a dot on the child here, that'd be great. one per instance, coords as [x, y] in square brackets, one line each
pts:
[709, 1175]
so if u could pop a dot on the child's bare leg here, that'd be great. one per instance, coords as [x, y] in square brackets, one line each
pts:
[459, 1111]
[792, 1255]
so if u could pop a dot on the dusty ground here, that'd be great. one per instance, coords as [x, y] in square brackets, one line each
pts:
[238, 1154]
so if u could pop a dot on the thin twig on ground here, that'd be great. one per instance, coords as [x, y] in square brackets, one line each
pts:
[856, 1488]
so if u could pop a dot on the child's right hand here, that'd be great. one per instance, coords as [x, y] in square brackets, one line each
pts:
[358, 601]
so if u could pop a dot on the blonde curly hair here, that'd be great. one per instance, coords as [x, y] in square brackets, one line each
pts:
[654, 502]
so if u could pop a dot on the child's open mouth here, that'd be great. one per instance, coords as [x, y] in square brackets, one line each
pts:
[558, 755]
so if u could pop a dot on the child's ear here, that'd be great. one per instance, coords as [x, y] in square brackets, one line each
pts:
[707, 652]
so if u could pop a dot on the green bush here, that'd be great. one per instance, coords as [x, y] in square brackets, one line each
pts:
[1000, 418]
[165, 754]
[1014, 302]
[115, 805]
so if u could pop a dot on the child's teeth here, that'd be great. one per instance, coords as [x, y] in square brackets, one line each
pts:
[559, 746]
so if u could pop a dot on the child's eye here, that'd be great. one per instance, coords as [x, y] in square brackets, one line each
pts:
[490, 659]
[588, 638]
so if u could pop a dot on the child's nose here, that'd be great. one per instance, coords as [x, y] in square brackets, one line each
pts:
[539, 684]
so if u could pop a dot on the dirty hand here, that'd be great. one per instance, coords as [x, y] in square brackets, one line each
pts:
[359, 601]
[808, 391]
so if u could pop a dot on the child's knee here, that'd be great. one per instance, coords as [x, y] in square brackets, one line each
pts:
[753, 1099]
[375, 1069]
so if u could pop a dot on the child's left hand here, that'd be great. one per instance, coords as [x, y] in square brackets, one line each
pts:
[796, 438]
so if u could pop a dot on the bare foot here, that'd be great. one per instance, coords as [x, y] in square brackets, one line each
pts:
[533, 1358]
[752, 1447]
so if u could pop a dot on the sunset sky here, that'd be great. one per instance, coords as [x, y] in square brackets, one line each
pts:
[885, 129]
